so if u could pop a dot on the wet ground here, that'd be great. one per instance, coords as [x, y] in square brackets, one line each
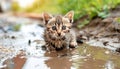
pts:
[21, 48]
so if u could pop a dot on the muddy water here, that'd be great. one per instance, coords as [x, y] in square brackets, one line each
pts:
[22, 50]
[97, 58]
[84, 57]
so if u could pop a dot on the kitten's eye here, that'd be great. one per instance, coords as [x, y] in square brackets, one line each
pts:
[63, 27]
[53, 27]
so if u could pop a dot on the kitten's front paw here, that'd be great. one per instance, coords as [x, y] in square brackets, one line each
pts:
[50, 48]
[73, 44]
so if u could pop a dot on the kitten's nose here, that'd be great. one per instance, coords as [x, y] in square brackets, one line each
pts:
[59, 34]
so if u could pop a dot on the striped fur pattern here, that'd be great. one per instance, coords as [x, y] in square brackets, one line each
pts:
[58, 33]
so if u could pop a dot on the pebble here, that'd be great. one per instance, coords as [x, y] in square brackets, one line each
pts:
[107, 52]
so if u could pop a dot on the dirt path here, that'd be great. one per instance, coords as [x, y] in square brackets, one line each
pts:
[21, 48]
[104, 32]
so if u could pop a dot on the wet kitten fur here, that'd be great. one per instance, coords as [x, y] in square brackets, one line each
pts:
[58, 33]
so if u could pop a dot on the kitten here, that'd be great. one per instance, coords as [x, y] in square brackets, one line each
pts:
[58, 33]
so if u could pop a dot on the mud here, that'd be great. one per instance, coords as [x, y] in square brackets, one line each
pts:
[102, 32]
[84, 57]
[21, 44]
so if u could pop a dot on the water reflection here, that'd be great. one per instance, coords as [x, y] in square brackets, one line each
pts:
[35, 63]
[50, 60]
[109, 65]
[68, 59]
[59, 63]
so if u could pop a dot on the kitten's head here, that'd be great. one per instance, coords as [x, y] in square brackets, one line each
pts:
[58, 26]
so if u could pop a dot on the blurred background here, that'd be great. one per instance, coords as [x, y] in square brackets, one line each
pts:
[87, 9]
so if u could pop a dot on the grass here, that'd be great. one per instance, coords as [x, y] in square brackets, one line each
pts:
[92, 8]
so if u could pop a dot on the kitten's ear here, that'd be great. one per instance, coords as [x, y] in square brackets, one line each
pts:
[46, 17]
[70, 16]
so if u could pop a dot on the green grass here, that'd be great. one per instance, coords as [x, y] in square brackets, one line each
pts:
[87, 7]
[118, 20]
[92, 8]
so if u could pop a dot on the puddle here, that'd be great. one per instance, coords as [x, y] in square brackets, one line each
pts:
[84, 57]
[29, 41]
[15, 63]
[97, 58]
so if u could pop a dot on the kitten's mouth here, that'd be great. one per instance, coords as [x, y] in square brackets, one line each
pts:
[61, 37]
[58, 38]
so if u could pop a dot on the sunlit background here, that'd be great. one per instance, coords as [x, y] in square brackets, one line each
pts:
[82, 8]
[25, 3]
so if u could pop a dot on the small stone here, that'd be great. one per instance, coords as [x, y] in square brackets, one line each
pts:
[107, 52]
[13, 37]
[88, 55]
[29, 42]
[105, 43]
[85, 59]
[44, 48]
[118, 50]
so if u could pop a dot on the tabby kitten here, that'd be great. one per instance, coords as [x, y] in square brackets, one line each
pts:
[58, 33]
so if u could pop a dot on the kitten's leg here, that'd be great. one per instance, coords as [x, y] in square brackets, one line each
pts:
[49, 47]
[73, 42]
[66, 44]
